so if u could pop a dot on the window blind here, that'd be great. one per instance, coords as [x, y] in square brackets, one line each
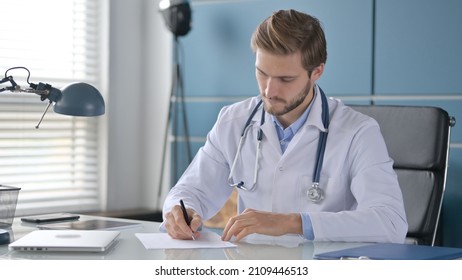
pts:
[56, 166]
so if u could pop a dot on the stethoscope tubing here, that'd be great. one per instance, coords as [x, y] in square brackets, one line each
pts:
[322, 139]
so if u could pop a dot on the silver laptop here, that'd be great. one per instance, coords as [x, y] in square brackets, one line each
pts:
[65, 241]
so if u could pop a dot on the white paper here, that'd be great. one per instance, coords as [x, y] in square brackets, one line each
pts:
[164, 241]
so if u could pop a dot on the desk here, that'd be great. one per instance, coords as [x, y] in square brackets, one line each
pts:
[128, 247]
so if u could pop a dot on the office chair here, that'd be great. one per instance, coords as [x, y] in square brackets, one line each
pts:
[417, 139]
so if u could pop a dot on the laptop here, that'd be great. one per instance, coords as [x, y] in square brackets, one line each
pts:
[65, 241]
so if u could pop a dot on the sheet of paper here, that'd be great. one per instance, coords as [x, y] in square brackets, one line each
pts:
[164, 241]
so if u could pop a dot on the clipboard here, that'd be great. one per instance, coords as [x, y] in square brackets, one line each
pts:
[393, 251]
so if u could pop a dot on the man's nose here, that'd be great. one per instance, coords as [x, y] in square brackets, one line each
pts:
[271, 88]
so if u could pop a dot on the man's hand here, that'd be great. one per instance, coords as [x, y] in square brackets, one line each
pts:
[253, 221]
[176, 225]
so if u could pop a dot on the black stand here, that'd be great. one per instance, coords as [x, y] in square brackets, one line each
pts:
[175, 102]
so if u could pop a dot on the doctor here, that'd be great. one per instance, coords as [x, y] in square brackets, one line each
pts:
[303, 164]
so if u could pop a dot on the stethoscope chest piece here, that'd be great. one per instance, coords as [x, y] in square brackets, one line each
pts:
[314, 193]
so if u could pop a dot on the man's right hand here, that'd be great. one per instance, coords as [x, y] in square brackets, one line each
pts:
[176, 226]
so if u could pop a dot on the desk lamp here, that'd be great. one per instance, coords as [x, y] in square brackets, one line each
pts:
[76, 99]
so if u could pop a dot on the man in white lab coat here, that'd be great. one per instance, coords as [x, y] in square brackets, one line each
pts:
[358, 197]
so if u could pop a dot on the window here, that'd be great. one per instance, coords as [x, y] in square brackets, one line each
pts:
[58, 166]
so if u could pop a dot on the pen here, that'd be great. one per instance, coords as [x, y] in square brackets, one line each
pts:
[186, 217]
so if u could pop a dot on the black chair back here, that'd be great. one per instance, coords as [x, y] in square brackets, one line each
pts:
[417, 139]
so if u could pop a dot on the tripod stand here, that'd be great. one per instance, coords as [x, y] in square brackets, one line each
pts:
[176, 102]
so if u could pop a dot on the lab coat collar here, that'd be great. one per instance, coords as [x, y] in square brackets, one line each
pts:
[315, 116]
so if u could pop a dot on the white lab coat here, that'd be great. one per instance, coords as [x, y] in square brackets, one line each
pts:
[362, 198]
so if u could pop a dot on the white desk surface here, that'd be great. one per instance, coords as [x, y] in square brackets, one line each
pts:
[128, 247]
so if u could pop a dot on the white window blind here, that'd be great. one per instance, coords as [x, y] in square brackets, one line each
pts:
[57, 166]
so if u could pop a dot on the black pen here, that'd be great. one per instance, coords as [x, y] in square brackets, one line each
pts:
[186, 217]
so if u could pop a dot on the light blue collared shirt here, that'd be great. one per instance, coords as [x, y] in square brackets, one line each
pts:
[285, 136]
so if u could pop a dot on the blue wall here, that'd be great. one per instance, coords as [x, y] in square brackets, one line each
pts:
[382, 51]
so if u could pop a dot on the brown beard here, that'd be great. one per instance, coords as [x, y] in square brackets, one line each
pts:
[294, 103]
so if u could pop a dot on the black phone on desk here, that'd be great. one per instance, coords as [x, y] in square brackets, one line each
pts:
[50, 218]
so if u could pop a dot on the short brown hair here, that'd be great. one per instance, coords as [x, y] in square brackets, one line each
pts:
[289, 31]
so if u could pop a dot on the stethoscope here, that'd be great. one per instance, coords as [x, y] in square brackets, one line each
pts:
[314, 193]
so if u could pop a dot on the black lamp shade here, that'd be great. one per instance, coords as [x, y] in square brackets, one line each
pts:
[80, 99]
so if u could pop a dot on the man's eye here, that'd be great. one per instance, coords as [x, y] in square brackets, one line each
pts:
[287, 80]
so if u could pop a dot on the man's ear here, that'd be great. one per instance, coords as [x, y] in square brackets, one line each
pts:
[317, 72]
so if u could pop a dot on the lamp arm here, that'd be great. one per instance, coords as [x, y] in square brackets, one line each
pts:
[46, 91]
[13, 86]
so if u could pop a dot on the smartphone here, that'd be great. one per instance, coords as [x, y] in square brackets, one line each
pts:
[49, 218]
